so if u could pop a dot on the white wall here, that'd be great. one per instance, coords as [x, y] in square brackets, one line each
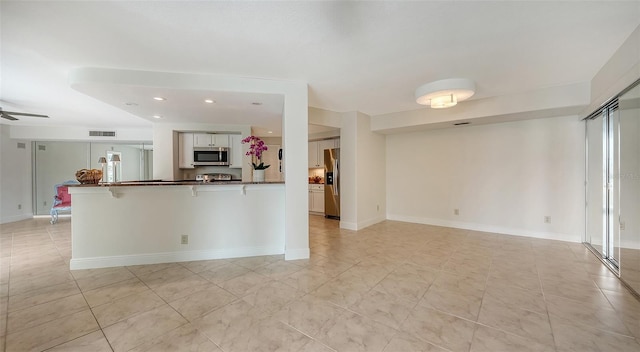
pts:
[503, 178]
[371, 174]
[362, 177]
[15, 178]
[324, 117]
[70, 133]
[221, 221]
[348, 169]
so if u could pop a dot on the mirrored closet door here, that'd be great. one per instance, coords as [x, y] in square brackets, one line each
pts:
[612, 184]
[629, 164]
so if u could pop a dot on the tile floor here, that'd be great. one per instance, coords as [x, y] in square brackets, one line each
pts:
[391, 287]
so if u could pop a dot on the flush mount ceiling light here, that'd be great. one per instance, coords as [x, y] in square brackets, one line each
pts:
[157, 116]
[209, 101]
[445, 93]
[159, 98]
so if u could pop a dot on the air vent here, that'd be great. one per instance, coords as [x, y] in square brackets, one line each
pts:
[461, 123]
[22, 145]
[41, 147]
[102, 133]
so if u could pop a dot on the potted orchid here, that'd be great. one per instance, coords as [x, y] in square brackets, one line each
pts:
[256, 148]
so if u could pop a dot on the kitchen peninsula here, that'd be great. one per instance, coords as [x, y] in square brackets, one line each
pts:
[158, 222]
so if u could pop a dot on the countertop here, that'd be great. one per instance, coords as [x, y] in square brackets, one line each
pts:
[170, 183]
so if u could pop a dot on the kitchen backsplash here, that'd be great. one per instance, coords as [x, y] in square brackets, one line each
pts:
[316, 172]
[191, 173]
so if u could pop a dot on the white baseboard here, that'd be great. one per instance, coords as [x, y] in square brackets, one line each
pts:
[172, 257]
[297, 253]
[349, 225]
[355, 226]
[14, 218]
[487, 228]
[367, 223]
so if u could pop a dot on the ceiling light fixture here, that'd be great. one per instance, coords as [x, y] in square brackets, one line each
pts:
[209, 101]
[159, 98]
[445, 93]
[157, 116]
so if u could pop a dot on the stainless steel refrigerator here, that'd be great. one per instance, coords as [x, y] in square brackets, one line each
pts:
[332, 183]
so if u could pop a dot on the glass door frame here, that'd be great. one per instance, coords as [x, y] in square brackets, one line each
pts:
[610, 138]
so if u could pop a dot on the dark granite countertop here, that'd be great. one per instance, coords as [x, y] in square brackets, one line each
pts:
[172, 183]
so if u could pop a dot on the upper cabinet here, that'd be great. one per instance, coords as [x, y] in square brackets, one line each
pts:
[185, 158]
[316, 151]
[313, 155]
[208, 140]
[236, 155]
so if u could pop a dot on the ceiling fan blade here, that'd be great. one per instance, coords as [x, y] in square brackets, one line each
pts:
[24, 114]
[8, 117]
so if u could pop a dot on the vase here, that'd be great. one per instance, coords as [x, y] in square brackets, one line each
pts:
[258, 175]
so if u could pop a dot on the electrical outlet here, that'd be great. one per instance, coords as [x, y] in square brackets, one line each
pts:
[547, 219]
[19, 206]
[184, 239]
[623, 226]
[456, 211]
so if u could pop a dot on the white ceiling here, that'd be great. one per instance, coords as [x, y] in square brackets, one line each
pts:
[365, 56]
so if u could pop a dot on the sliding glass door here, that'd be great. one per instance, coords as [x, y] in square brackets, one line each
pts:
[602, 188]
[612, 187]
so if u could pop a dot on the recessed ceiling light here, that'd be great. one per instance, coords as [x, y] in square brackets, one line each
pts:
[209, 101]
[131, 104]
[157, 116]
[159, 98]
[269, 131]
[256, 103]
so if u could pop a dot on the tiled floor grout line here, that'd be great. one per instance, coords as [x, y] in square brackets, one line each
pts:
[544, 297]
[5, 315]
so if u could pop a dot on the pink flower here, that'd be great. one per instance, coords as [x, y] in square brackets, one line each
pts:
[256, 148]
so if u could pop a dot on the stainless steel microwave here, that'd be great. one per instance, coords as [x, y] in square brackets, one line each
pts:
[210, 156]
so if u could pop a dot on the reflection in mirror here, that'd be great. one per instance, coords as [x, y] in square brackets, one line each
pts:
[56, 162]
[595, 182]
[629, 175]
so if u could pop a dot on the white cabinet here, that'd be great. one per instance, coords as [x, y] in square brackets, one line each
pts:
[316, 198]
[313, 155]
[316, 152]
[235, 152]
[209, 140]
[185, 147]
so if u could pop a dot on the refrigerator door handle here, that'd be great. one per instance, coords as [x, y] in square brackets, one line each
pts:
[336, 180]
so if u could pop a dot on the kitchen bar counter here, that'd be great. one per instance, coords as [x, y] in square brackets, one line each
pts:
[131, 223]
[172, 183]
